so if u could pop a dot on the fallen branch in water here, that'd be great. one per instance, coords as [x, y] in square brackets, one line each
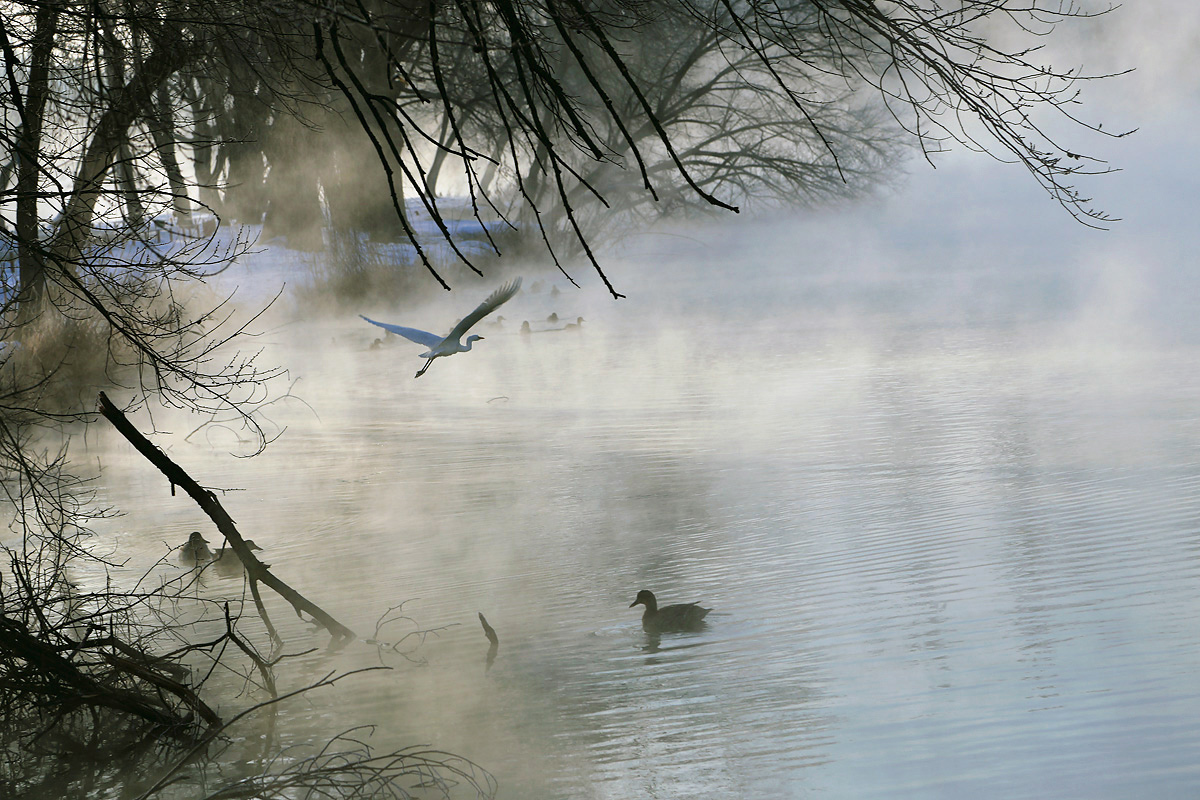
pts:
[255, 570]
[489, 631]
[494, 646]
[65, 675]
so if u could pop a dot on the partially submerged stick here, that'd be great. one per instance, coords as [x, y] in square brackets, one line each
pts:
[255, 569]
[490, 633]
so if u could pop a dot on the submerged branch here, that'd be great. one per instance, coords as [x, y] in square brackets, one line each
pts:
[57, 673]
[255, 569]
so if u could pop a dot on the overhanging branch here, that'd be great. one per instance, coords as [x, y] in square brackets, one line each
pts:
[255, 569]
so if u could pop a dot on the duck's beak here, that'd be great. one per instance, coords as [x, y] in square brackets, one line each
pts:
[634, 603]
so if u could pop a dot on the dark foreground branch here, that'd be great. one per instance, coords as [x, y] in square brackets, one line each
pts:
[64, 678]
[255, 569]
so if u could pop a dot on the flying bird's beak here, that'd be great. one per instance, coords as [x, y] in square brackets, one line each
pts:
[481, 338]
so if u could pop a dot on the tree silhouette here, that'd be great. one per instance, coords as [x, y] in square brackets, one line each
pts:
[555, 117]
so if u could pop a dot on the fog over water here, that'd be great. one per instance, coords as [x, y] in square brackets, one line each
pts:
[941, 492]
[932, 462]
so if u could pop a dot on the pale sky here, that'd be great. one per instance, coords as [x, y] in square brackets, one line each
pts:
[972, 199]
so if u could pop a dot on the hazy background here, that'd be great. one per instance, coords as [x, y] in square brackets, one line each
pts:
[932, 460]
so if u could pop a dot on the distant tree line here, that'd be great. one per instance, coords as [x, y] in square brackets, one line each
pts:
[302, 115]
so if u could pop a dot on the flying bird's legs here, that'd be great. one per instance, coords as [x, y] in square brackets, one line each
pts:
[422, 372]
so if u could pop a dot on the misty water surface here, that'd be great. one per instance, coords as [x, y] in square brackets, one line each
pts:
[947, 515]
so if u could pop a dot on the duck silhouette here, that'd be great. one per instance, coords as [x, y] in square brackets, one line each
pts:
[679, 617]
[226, 560]
[195, 550]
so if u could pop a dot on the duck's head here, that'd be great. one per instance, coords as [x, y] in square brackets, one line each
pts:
[227, 557]
[645, 598]
[195, 538]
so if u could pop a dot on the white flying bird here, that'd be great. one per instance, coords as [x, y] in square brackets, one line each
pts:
[451, 343]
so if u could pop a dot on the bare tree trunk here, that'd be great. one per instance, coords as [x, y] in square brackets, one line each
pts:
[163, 131]
[32, 269]
[208, 157]
[242, 131]
[489, 174]
[114, 68]
[291, 188]
[357, 192]
[126, 104]
[445, 139]
[10, 164]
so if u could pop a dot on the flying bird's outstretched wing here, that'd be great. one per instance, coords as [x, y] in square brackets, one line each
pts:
[412, 334]
[494, 301]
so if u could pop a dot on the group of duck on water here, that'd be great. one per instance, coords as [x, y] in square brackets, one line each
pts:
[677, 617]
[673, 618]
[195, 553]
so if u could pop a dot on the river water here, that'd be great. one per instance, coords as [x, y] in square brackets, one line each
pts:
[947, 516]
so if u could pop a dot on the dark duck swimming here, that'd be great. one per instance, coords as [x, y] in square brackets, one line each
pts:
[679, 617]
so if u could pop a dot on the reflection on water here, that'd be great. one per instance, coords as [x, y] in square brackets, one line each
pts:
[952, 548]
